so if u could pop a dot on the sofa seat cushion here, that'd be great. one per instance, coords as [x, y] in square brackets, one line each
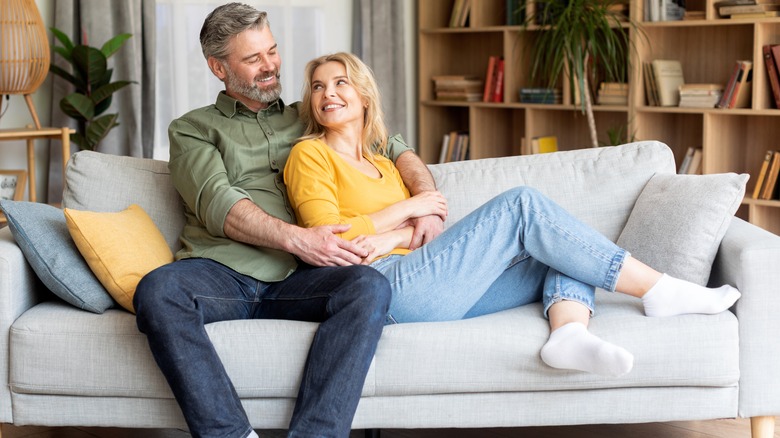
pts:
[58, 349]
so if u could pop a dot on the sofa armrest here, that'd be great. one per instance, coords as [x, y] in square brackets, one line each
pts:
[749, 258]
[18, 292]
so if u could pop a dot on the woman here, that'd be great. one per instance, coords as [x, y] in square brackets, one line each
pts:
[505, 254]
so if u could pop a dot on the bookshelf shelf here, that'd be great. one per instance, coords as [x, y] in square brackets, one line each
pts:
[732, 140]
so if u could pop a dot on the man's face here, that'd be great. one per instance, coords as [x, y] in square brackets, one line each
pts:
[251, 70]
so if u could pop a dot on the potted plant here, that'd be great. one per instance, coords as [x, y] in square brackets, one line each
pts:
[583, 39]
[91, 78]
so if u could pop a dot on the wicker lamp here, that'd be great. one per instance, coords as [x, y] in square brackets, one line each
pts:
[24, 51]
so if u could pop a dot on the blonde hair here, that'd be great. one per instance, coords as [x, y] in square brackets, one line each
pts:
[362, 79]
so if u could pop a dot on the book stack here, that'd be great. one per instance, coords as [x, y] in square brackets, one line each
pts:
[691, 164]
[772, 63]
[460, 13]
[540, 95]
[700, 95]
[739, 88]
[741, 9]
[663, 78]
[494, 80]
[613, 93]
[766, 183]
[458, 88]
[454, 147]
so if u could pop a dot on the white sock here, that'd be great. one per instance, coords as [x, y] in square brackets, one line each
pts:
[671, 296]
[573, 347]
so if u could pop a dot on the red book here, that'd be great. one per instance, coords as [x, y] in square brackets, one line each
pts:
[498, 91]
[771, 70]
[490, 79]
[729, 90]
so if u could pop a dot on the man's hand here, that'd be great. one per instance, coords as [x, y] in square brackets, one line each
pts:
[426, 228]
[320, 246]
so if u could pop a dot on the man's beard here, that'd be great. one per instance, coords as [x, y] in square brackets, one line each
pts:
[251, 90]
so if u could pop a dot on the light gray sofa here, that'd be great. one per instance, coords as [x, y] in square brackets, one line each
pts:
[60, 365]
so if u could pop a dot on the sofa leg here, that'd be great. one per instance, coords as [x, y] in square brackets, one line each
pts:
[370, 433]
[762, 427]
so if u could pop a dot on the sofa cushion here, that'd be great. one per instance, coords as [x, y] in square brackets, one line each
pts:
[120, 248]
[678, 222]
[107, 356]
[597, 185]
[42, 235]
[105, 182]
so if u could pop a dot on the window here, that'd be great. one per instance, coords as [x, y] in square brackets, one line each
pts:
[184, 81]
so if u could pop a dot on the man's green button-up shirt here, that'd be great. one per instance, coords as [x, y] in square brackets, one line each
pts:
[223, 153]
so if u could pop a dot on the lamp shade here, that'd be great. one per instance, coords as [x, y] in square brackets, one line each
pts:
[24, 48]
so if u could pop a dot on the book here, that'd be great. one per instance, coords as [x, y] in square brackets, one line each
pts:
[747, 9]
[694, 168]
[700, 95]
[729, 89]
[770, 182]
[668, 76]
[498, 90]
[613, 93]
[458, 88]
[546, 144]
[768, 191]
[515, 14]
[776, 55]
[463, 16]
[457, 8]
[650, 91]
[686, 162]
[754, 15]
[762, 174]
[490, 79]
[772, 73]
[445, 147]
[743, 87]
[540, 95]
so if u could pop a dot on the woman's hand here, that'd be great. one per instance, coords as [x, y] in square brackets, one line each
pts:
[378, 245]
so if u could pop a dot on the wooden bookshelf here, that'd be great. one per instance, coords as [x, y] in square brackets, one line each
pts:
[732, 140]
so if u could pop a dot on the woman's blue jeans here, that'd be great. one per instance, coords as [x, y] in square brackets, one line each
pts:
[174, 302]
[518, 248]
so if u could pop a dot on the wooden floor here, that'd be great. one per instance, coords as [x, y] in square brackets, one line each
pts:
[681, 429]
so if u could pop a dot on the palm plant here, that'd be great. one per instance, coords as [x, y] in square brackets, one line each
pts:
[582, 39]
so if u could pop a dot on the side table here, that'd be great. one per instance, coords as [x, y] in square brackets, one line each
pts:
[32, 134]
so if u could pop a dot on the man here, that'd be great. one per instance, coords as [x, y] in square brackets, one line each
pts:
[242, 255]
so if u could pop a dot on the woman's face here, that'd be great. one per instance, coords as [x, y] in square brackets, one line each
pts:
[335, 102]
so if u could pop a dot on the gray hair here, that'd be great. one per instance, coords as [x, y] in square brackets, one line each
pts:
[225, 22]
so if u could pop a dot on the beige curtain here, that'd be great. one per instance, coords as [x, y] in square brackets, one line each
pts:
[379, 41]
[101, 20]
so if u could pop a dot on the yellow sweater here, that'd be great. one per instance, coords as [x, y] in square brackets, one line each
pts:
[325, 190]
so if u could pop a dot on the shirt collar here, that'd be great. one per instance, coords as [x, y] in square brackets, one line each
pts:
[230, 106]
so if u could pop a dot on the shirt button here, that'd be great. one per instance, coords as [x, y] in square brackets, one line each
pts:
[269, 132]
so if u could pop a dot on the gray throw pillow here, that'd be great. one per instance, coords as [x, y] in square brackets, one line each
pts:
[678, 222]
[42, 235]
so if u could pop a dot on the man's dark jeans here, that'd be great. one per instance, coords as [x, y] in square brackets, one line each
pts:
[174, 302]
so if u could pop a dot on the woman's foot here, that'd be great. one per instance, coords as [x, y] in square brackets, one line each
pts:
[671, 296]
[573, 347]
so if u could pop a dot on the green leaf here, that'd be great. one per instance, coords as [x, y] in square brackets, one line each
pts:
[99, 128]
[65, 53]
[78, 106]
[79, 140]
[66, 42]
[106, 91]
[90, 63]
[111, 46]
[101, 107]
[78, 83]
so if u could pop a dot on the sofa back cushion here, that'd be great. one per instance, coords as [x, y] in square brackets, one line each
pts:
[597, 185]
[111, 183]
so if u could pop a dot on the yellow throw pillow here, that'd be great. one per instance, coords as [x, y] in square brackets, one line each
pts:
[120, 248]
